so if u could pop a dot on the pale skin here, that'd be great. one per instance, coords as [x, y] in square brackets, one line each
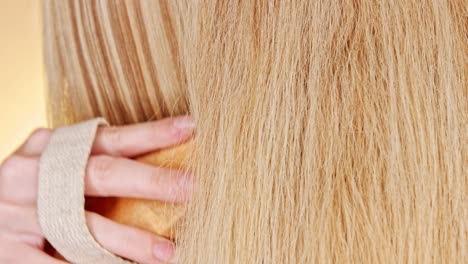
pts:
[110, 172]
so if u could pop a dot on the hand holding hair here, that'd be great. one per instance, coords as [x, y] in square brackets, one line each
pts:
[111, 171]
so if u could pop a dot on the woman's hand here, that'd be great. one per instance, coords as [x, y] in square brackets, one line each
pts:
[110, 172]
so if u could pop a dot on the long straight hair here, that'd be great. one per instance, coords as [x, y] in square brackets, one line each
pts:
[327, 131]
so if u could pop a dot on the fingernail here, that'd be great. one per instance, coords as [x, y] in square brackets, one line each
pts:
[164, 251]
[184, 122]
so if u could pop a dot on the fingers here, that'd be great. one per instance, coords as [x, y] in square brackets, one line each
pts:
[19, 219]
[110, 176]
[138, 139]
[105, 176]
[20, 224]
[19, 253]
[127, 141]
[34, 241]
[129, 242]
[36, 142]
[18, 179]
[21, 239]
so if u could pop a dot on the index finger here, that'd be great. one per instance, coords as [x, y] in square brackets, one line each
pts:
[138, 139]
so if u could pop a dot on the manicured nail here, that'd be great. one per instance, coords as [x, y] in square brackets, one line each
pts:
[184, 122]
[164, 251]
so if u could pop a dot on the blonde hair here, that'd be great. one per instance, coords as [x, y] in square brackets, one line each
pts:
[327, 131]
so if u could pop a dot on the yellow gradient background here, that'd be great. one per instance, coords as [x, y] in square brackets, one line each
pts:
[22, 76]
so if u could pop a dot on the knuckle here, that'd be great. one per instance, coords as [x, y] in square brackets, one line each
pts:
[163, 127]
[10, 167]
[7, 212]
[159, 126]
[114, 138]
[164, 182]
[181, 188]
[173, 188]
[150, 186]
[176, 190]
[155, 179]
[18, 172]
[39, 137]
[40, 134]
[99, 169]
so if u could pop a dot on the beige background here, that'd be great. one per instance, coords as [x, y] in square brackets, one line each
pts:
[21, 72]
